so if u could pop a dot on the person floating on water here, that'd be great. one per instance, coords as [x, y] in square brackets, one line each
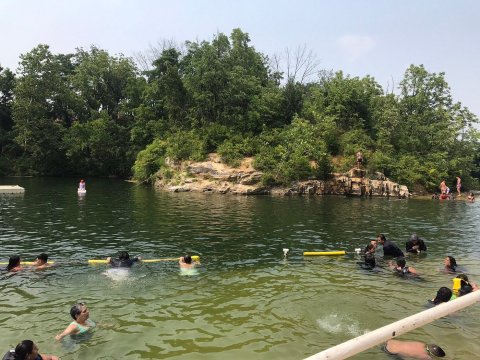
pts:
[415, 245]
[41, 262]
[459, 186]
[389, 248]
[462, 286]
[186, 262]
[413, 349]
[14, 264]
[123, 261]
[81, 185]
[450, 264]
[27, 350]
[81, 323]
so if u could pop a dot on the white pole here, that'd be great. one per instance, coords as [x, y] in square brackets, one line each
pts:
[378, 336]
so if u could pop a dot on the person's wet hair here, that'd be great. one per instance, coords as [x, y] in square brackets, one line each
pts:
[43, 257]
[13, 262]
[76, 310]
[123, 255]
[23, 350]
[453, 262]
[435, 350]
[401, 262]
[443, 295]
[187, 259]
[382, 237]
[463, 277]
[414, 238]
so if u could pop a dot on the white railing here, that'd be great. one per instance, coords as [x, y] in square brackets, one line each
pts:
[378, 336]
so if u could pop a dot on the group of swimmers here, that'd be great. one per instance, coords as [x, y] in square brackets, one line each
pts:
[461, 286]
[81, 324]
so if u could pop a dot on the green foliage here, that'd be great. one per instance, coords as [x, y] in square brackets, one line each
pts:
[236, 148]
[185, 145]
[149, 161]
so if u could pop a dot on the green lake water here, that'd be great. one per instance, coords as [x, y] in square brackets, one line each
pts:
[245, 301]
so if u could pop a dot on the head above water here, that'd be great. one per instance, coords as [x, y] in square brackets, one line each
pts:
[401, 262]
[451, 262]
[123, 255]
[414, 238]
[43, 257]
[435, 350]
[187, 259]
[76, 310]
[443, 295]
[13, 262]
[24, 349]
[381, 238]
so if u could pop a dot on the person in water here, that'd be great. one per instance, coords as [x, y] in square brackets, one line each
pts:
[123, 261]
[14, 264]
[81, 185]
[41, 262]
[27, 350]
[450, 264]
[471, 197]
[413, 349]
[415, 245]
[444, 294]
[370, 248]
[401, 267]
[186, 262]
[465, 286]
[81, 323]
[389, 248]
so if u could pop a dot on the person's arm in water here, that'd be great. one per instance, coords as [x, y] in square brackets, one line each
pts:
[412, 270]
[49, 357]
[70, 330]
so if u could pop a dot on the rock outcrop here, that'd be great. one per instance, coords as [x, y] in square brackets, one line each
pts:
[215, 177]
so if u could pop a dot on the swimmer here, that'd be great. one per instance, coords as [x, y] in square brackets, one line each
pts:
[471, 197]
[450, 264]
[444, 294]
[123, 260]
[389, 248]
[185, 262]
[42, 262]
[413, 349]
[27, 350]
[401, 268]
[81, 323]
[370, 248]
[81, 185]
[14, 264]
[465, 286]
[415, 245]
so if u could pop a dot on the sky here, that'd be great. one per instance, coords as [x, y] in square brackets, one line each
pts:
[380, 38]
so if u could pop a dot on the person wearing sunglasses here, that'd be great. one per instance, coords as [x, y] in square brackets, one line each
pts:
[81, 323]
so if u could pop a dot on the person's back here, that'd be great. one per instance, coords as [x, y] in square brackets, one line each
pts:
[185, 262]
[391, 249]
[123, 261]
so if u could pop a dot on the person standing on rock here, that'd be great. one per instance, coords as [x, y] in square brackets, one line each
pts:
[359, 159]
[459, 186]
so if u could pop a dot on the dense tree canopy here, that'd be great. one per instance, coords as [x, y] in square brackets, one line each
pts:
[92, 113]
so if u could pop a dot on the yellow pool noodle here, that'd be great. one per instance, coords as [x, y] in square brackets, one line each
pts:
[323, 253]
[195, 258]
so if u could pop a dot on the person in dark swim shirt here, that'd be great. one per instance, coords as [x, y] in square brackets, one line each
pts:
[27, 350]
[389, 248]
[123, 261]
[415, 245]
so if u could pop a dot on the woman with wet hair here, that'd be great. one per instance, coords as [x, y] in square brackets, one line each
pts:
[450, 264]
[14, 264]
[81, 323]
[444, 294]
[27, 350]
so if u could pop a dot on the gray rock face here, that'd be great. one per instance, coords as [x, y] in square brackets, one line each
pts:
[212, 176]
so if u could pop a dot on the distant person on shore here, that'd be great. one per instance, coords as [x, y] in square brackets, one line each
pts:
[413, 349]
[415, 245]
[471, 197]
[443, 187]
[81, 185]
[459, 186]
[81, 323]
[27, 350]
[389, 248]
[359, 156]
[14, 264]
[401, 267]
[123, 261]
[41, 263]
[185, 262]
[444, 294]
[450, 264]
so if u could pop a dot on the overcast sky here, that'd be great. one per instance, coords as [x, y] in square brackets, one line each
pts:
[360, 37]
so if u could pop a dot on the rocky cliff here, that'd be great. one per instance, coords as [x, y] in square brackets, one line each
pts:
[216, 177]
